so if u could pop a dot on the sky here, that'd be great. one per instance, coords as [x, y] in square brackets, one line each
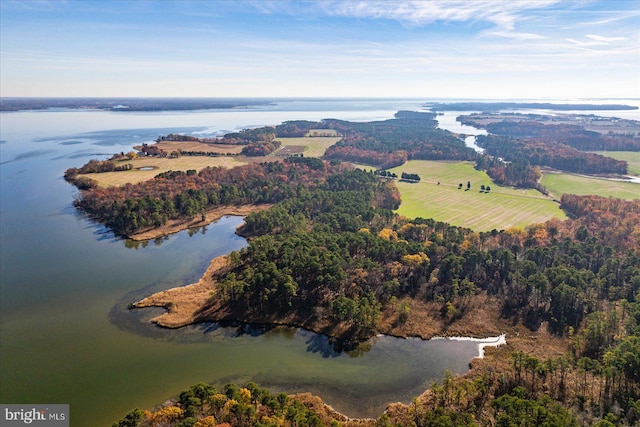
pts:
[495, 49]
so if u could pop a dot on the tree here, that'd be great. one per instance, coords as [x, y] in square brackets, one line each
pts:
[131, 419]
[468, 185]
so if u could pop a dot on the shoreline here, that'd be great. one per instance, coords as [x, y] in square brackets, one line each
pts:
[197, 303]
[211, 215]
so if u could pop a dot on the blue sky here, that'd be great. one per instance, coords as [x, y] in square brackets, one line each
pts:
[423, 49]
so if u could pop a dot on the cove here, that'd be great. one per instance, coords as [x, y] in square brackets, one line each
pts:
[359, 381]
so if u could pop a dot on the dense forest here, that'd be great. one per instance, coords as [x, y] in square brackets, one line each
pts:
[525, 143]
[542, 152]
[517, 173]
[572, 135]
[390, 143]
[133, 208]
[337, 252]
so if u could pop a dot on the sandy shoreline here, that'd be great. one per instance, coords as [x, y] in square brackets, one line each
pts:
[211, 215]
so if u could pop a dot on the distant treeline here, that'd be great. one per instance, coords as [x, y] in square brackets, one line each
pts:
[127, 104]
[544, 152]
[390, 143]
[571, 135]
[182, 137]
[495, 106]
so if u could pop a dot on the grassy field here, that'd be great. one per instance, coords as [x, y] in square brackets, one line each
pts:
[314, 146]
[560, 183]
[501, 208]
[159, 165]
[632, 157]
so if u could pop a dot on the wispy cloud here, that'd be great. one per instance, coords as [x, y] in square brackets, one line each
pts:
[610, 17]
[317, 47]
[503, 14]
[596, 40]
[604, 39]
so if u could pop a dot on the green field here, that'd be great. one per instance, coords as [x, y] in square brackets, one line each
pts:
[500, 209]
[560, 183]
[313, 146]
[631, 157]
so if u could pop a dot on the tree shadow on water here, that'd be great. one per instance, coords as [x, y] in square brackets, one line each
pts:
[333, 347]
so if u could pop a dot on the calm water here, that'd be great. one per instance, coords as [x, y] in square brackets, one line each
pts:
[65, 282]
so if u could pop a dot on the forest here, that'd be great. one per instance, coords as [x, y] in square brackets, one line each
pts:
[133, 208]
[542, 152]
[517, 173]
[337, 252]
[572, 135]
[390, 143]
[526, 142]
[332, 255]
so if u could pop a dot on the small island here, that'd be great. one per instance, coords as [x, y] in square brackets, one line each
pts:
[328, 252]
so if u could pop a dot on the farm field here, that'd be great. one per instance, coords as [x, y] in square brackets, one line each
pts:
[159, 165]
[313, 146]
[559, 183]
[499, 209]
[631, 157]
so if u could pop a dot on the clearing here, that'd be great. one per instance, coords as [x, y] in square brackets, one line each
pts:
[312, 146]
[155, 165]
